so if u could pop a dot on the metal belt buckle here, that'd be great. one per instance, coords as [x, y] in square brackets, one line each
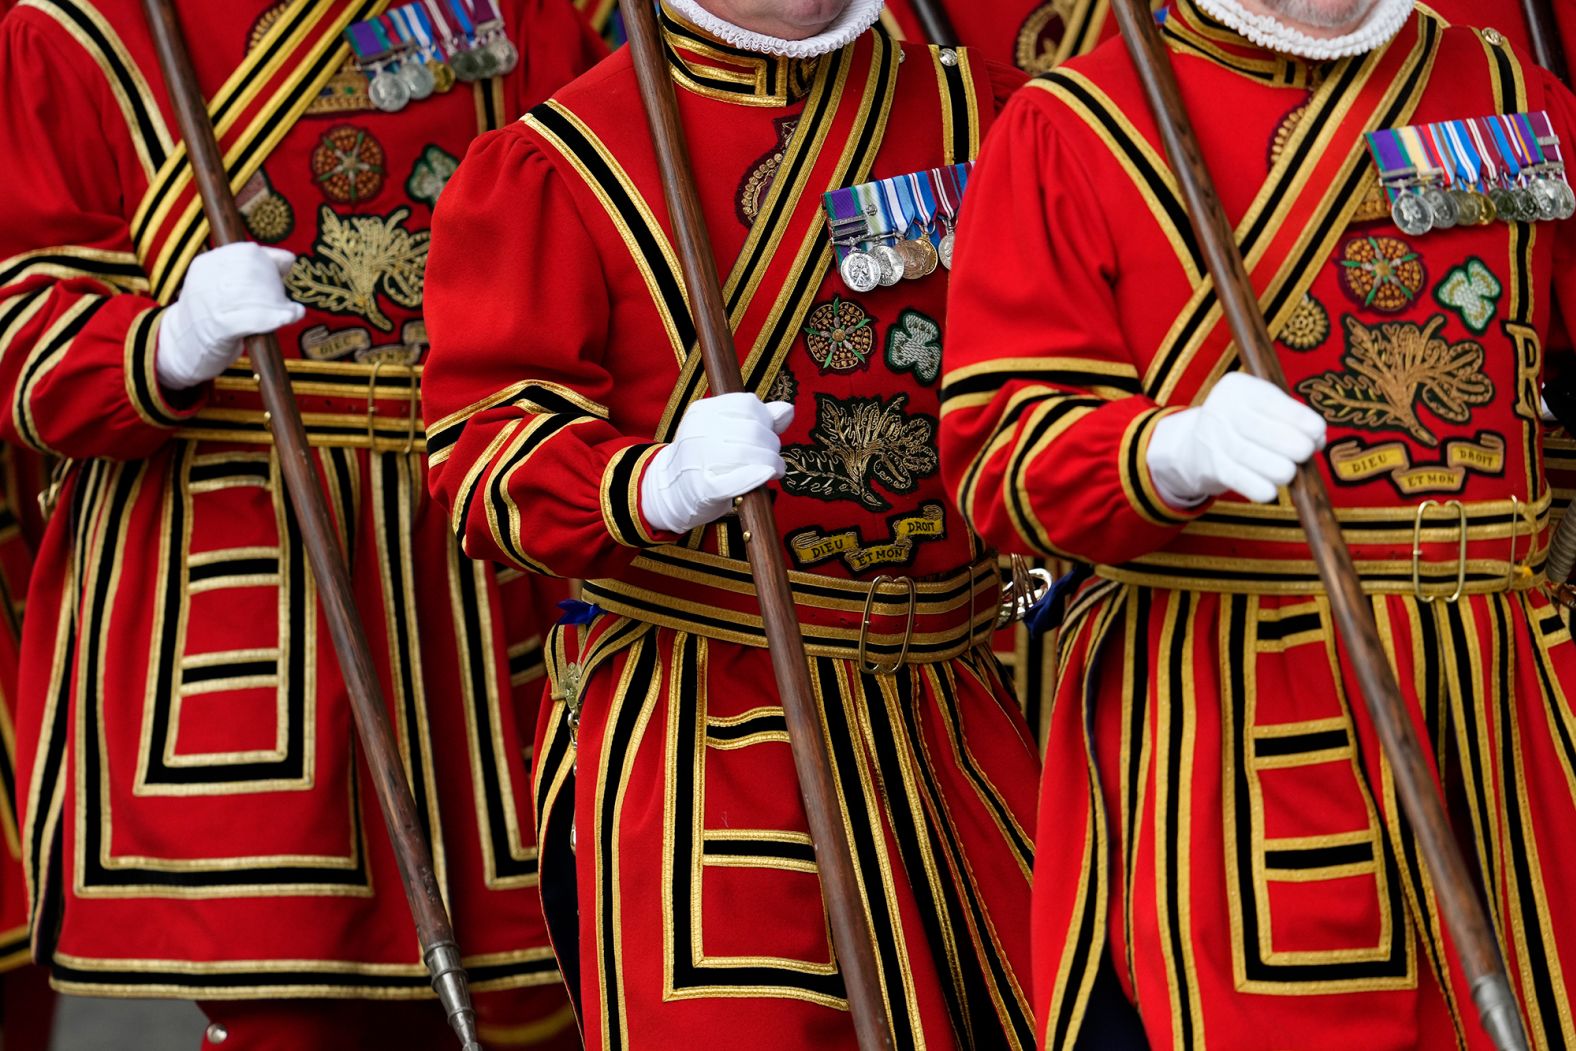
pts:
[1417, 550]
[1518, 513]
[412, 409]
[866, 666]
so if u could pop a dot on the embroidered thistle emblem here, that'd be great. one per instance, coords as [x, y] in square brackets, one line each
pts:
[358, 257]
[860, 441]
[1382, 272]
[1472, 291]
[839, 336]
[1394, 367]
[914, 345]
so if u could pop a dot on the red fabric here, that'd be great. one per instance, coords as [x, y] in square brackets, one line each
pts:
[1029, 34]
[550, 377]
[1173, 835]
[235, 823]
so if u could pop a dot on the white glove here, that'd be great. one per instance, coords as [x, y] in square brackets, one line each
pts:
[725, 447]
[1248, 437]
[230, 292]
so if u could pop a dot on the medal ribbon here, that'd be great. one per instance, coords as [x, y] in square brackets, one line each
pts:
[1543, 134]
[1394, 170]
[938, 184]
[1521, 128]
[421, 29]
[1506, 156]
[1440, 152]
[842, 214]
[924, 203]
[432, 13]
[1468, 162]
[370, 46]
[892, 207]
[1491, 168]
[467, 27]
[1417, 153]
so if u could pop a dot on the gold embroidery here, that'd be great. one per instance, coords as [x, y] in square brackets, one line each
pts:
[1309, 326]
[858, 442]
[358, 257]
[1394, 366]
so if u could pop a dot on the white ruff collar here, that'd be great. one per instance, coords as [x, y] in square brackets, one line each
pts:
[1384, 22]
[859, 16]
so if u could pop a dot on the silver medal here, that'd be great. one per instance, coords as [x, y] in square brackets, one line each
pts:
[505, 55]
[388, 92]
[1444, 208]
[861, 272]
[1567, 199]
[465, 64]
[1546, 198]
[891, 261]
[418, 79]
[1412, 214]
[944, 249]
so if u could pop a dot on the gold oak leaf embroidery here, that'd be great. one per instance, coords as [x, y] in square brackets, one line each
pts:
[858, 441]
[1393, 367]
[357, 258]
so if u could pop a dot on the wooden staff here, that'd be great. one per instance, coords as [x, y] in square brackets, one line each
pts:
[852, 938]
[411, 851]
[935, 23]
[1354, 615]
[1546, 46]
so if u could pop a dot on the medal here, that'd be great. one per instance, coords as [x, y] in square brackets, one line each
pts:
[860, 271]
[388, 92]
[490, 28]
[1411, 213]
[373, 55]
[850, 229]
[1554, 163]
[919, 254]
[891, 264]
[413, 68]
[1442, 209]
[437, 37]
[949, 195]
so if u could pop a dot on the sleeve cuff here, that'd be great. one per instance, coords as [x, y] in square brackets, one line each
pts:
[621, 498]
[1139, 484]
[143, 390]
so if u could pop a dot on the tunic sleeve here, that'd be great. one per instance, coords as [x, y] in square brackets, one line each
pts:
[1044, 429]
[77, 331]
[523, 448]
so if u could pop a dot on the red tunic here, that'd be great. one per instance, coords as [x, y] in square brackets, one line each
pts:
[196, 821]
[1216, 817]
[680, 882]
[1033, 35]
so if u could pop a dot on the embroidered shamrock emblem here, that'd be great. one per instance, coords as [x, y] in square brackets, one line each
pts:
[840, 337]
[430, 174]
[914, 345]
[1472, 291]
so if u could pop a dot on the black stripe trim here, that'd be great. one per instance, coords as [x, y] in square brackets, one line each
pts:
[1303, 859]
[1299, 744]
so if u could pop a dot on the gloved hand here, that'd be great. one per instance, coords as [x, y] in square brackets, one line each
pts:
[1248, 436]
[230, 292]
[725, 447]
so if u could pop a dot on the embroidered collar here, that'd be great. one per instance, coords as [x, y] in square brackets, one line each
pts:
[709, 66]
[1266, 34]
[1188, 29]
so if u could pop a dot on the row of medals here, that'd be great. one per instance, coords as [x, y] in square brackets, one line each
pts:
[414, 79]
[1421, 208]
[886, 264]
